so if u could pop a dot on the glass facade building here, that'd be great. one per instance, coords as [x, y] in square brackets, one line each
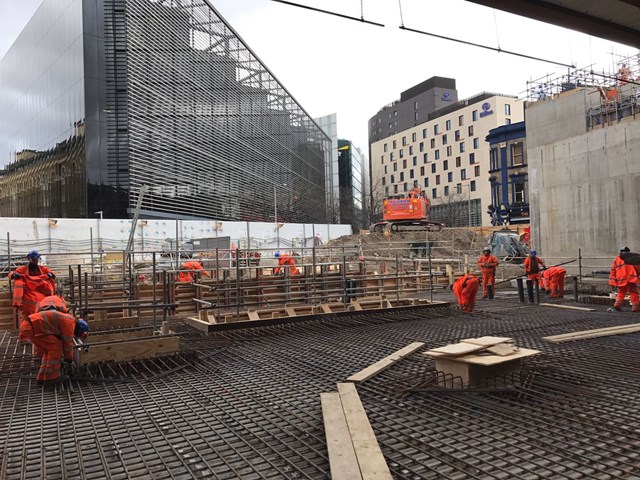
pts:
[352, 184]
[101, 97]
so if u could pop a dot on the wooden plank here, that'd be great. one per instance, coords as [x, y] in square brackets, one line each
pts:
[121, 322]
[385, 363]
[107, 337]
[195, 322]
[290, 311]
[133, 350]
[490, 360]
[586, 334]
[502, 349]
[342, 457]
[325, 308]
[568, 307]
[461, 348]
[487, 341]
[372, 463]
[595, 330]
[253, 315]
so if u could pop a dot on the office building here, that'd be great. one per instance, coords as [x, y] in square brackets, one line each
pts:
[101, 97]
[446, 155]
[352, 174]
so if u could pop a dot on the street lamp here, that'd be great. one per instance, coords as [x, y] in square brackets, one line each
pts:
[275, 211]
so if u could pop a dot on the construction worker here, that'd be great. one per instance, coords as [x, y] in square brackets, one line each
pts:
[625, 278]
[285, 261]
[51, 329]
[487, 264]
[191, 275]
[533, 265]
[553, 278]
[466, 289]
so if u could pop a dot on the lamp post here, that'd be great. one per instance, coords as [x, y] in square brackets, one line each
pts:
[275, 212]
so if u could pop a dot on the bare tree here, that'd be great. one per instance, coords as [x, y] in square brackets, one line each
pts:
[452, 209]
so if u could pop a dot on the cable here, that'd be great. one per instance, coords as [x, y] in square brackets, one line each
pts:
[401, 17]
[499, 50]
[362, 20]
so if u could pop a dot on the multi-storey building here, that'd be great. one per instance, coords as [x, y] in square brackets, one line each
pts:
[352, 173]
[447, 156]
[508, 173]
[101, 97]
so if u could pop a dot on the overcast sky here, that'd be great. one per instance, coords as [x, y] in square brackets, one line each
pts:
[332, 65]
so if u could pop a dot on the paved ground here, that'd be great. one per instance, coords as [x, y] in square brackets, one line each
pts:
[250, 406]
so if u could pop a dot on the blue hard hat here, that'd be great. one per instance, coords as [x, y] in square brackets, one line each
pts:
[82, 328]
[533, 252]
[33, 254]
[276, 255]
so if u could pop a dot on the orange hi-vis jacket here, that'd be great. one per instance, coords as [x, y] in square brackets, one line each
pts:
[530, 268]
[28, 290]
[621, 274]
[288, 261]
[487, 263]
[58, 324]
[189, 276]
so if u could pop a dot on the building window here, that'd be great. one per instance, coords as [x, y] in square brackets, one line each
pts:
[507, 109]
[411, 175]
[470, 130]
[461, 120]
[472, 158]
[392, 156]
[404, 141]
[437, 179]
[425, 158]
[450, 177]
[458, 161]
[395, 189]
[395, 113]
[385, 170]
[416, 115]
[404, 163]
[518, 192]
[395, 145]
[433, 168]
[457, 135]
[384, 181]
[445, 165]
[474, 115]
[426, 182]
[415, 161]
[433, 143]
[507, 121]
[415, 184]
[463, 174]
[422, 146]
[422, 171]
[415, 105]
[434, 193]
[402, 176]
[476, 143]
[473, 185]
[461, 147]
[393, 178]
[411, 150]
[444, 139]
[494, 159]
[447, 125]
[385, 148]
[446, 191]
[406, 186]
[436, 129]
[395, 167]
[449, 151]
[391, 125]
[517, 152]
[414, 137]
[476, 170]
[401, 153]
[424, 133]
[386, 191]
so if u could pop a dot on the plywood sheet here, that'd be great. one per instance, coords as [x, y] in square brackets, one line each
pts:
[487, 341]
[488, 360]
[385, 363]
[462, 348]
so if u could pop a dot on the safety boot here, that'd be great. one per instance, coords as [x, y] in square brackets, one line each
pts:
[635, 307]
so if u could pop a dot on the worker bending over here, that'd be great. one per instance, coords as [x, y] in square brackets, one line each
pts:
[487, 264]
[191, 276]
[285, 261]
[533, 266]
[625, 278]
[51, 329]
[466, 289]
[553, 278]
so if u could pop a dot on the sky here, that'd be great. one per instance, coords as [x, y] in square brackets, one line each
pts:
[334, 65]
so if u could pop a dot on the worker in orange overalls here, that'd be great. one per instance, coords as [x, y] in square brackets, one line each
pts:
[51, 329]
[625, 278]
[533, 265]
[487, 264]
[553, 278]
[285, 261]
[192, 275]
[466, 289]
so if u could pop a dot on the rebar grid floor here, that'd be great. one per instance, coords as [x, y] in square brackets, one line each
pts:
[249, 406]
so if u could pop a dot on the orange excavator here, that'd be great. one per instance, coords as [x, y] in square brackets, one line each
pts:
[406, 213]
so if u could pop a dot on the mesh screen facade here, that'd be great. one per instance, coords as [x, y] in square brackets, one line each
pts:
[175, 100]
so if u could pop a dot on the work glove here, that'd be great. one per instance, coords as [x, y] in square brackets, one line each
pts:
[51, 275]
